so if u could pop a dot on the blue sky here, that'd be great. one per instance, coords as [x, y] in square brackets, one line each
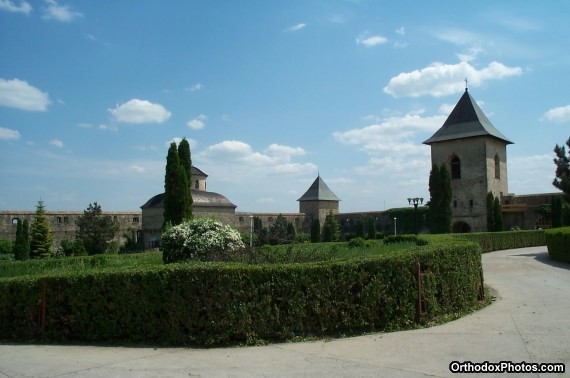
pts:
[270, 94]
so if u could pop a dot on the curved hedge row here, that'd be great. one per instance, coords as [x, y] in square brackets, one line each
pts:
[497, 241]
[558, 243]
[220, 303]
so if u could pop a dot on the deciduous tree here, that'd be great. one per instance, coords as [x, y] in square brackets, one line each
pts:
[96, 230]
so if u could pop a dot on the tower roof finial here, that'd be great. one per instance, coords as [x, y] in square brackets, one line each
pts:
[466, 88]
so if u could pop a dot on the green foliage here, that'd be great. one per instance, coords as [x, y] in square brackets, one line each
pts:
[200, 239]
[361, 243]
[406, 219]
[221, 303]
[498, 215]
[316, 231]
[331, 228]
[177, 196]
[556, 211]
[6, 246]
[40, 238]
[278, 231]
[490, 212]
[562, 162]
[496, 241]
[95, 230]
[186, 162]
[370, 228]
[440, 200]
[360, 229]
[558, 243]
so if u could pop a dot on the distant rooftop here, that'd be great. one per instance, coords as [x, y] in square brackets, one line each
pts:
[467, 120]
[319, 191]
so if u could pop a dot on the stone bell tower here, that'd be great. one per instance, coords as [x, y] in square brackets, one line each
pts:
[475, 153]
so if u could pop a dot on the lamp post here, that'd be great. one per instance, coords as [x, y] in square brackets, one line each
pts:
[250, 231]
[415, 201]
[395, 223]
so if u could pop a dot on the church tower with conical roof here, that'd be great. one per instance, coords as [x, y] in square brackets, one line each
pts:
[475, 153]
[318, 201]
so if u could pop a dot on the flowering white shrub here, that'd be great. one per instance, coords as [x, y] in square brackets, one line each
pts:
[199, 239]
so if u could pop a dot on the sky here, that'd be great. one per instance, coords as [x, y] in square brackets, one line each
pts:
[270, 94]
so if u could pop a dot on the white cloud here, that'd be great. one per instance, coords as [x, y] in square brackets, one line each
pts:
[441, 79]
[10, 6]
[236, 160]
[531, 174]
[195, 88]
[21, 95]
[558, 115]
[57, 12]
[137, 111]
[137, 168]
[106, 127]
[368, 40]
[401, 30]
[8, 134]
[393, 146]
[56, 142]
[197, 123]
[296, 27]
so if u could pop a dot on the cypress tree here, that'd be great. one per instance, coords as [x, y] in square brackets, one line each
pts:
[498, 214]
[316, 231]
[177, 205]
[446, 198]
[19, 242]
[435, 199]
[371, 228]
[41, 239]
[186, 162]
[556, 211]
[331, 229]
[26, 240]
[490, 212]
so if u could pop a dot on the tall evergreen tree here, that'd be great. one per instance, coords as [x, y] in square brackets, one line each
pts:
[562, 162]
[556, 206]
[186, 162]
[490, 212]
[440, 200]
[446, 198]
[360, 229]
[316, 231]
[331, 229]
[498, 214]
[96, 230]
[278, 231]
[19, 242]
[26, 239]
[435, 199]
[41, 239]
[177, 205]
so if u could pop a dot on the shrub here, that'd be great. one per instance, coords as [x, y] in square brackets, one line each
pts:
[200, 239]
[6, 246]
[558, 243]
[361, 243]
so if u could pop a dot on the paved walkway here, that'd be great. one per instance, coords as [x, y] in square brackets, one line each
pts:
[530, 321]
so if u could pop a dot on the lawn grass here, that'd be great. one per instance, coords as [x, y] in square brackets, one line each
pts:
[289, 253]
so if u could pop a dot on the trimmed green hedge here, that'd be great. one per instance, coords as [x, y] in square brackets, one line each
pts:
[497, 241]
[558, 243]
[223, 303]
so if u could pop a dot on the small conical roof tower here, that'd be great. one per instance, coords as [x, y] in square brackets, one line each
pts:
[318, 201]
[467, 120]
[318, 191]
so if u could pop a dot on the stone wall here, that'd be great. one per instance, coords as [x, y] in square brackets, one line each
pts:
[478, 177]
[63, 223]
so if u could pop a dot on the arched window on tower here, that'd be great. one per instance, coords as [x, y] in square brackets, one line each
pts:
[497, 167]
[455, 168]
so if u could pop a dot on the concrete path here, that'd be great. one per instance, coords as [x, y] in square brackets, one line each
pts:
[529, 321]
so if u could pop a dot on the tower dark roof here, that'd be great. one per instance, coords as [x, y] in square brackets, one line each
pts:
[319, 191]
[465, 121]
[200, 198]
[196, 171]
